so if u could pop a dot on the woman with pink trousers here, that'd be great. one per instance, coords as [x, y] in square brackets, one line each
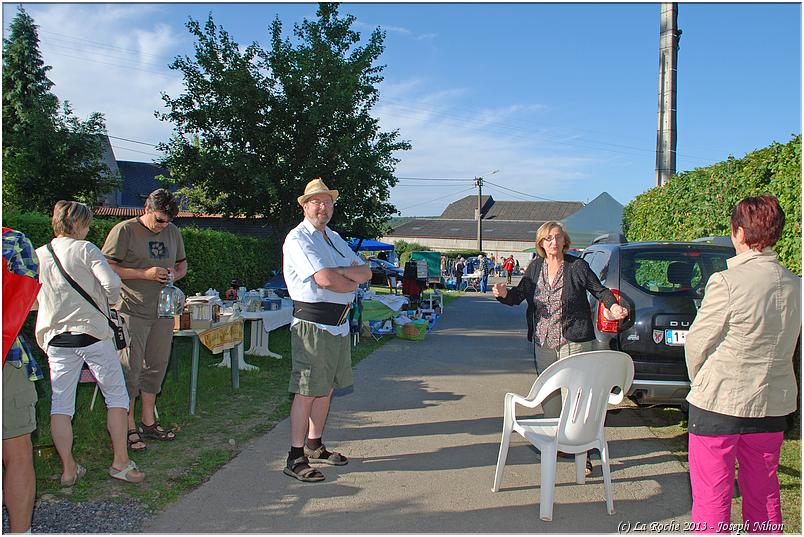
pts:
[740, 359]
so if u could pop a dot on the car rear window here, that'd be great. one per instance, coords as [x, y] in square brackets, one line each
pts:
[672, 271]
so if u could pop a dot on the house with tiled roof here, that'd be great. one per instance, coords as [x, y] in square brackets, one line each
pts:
[508, 227]
[140, 179]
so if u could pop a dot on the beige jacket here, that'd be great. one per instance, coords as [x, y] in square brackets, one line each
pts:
[740, 347]
[61, 308]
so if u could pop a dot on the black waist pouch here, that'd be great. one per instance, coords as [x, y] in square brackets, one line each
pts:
[327, 313]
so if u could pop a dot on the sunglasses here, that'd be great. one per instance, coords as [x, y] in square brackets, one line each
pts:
[161, 221]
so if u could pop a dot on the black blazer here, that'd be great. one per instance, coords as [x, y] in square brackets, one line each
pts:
[576, 317]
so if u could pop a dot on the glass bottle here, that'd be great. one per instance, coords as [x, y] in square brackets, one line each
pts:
[171, 299]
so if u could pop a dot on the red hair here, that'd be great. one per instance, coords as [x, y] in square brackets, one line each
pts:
[761, 218]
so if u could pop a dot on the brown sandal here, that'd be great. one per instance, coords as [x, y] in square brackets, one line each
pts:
[155, 431]
[300, 469]
[321, 454]
[136, 440]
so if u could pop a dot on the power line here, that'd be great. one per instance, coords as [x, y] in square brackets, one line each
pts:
[507, 194]
[99, 44]
[431, 179]
[58, 53]
[436, 199]
[508, 126]
[136, 151]
[132, 141]
[133, 62]
[397, 104]
[517, 191]
[434, 185]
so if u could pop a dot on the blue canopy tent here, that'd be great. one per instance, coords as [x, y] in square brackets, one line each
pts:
[368, 245]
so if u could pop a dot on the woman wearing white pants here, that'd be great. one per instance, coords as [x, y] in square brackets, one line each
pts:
[72, 331]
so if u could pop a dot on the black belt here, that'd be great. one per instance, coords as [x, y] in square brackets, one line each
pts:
[327, 313]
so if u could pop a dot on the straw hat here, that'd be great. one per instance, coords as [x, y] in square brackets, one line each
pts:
[316, 186]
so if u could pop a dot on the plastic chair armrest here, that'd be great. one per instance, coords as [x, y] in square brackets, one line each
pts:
[519, 400]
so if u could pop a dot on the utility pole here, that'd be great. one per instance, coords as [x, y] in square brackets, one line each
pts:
[479, 184]
[669, 36]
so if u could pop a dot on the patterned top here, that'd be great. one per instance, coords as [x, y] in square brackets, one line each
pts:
[547, 299]
[18, 253]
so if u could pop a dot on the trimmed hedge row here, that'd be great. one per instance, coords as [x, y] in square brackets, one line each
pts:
[698, 203]
[214, 258]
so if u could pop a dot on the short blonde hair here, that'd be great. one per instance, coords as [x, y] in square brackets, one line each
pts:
[544, 231]
[69, 217]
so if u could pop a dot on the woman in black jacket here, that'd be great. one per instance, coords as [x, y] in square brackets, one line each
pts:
[558, 314]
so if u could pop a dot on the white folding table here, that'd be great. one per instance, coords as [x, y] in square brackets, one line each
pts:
[262, 322]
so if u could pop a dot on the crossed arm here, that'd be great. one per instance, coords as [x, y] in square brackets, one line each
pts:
[343, 279]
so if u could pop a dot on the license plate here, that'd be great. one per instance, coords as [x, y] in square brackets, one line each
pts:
[675, 338]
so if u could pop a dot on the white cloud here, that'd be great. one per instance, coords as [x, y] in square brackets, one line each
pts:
[469, 143]
[112, 59]
[121, 71]
[399, 30]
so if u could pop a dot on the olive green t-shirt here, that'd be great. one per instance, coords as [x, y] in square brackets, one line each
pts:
[132, 245]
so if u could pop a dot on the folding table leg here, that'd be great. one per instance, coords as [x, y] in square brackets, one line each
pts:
[194, 373]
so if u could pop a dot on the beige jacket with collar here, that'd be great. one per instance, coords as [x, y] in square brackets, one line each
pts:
[740, 346]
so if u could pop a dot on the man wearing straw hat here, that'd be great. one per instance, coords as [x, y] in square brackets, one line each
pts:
[322, 274]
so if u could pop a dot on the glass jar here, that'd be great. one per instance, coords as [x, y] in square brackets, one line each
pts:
[171, 299]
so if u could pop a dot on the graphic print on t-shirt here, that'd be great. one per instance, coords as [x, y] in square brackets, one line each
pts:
[157, 249]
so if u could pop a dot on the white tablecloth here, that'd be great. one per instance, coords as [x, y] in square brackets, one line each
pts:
[271, 320]
[394, 302]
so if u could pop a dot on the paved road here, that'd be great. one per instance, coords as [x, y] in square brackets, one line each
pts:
[422, 429]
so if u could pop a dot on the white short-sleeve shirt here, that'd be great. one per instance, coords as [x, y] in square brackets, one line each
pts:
[304, 253]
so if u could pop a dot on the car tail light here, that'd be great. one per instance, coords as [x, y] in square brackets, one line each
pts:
[603, 324]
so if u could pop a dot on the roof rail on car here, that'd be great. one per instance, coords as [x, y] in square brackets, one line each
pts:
[718, 241]
[616, 238]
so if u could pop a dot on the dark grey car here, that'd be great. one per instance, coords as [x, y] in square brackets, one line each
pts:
[662, 285]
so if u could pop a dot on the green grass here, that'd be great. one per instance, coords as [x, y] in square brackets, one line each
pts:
[670, 424]
[224, 423]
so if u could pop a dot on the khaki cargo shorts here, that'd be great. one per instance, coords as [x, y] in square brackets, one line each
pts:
[19, 402]
[321, 361]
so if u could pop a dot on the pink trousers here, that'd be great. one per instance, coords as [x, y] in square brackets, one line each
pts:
[712, 460]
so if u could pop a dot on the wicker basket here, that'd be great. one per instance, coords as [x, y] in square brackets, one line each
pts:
[414, 330]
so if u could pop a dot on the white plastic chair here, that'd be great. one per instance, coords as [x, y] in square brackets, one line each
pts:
[586, 381]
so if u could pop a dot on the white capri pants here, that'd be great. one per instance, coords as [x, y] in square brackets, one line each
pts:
[65, 369]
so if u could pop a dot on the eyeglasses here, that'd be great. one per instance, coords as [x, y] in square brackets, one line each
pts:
[318, 203]
[551, 238]
[161, 221]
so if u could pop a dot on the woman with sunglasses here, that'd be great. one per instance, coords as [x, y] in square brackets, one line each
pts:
[147, 252]
[558, 315]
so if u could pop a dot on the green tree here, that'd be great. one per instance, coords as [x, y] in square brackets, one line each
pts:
[48, 153]
[254, 125]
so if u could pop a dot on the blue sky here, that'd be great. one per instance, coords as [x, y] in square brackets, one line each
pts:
[560, 98]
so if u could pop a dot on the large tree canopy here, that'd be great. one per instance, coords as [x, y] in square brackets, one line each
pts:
[48, 153]
[253, 126]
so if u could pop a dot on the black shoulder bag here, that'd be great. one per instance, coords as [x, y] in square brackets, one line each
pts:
[116, 322]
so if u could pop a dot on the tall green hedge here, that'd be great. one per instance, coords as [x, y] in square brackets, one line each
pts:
[214, 258]
[698, 203]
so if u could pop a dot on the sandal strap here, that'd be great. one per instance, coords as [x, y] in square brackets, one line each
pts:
[301, 467]
[157, 430]
[297, 461]
[155, 427]
[316, 453]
